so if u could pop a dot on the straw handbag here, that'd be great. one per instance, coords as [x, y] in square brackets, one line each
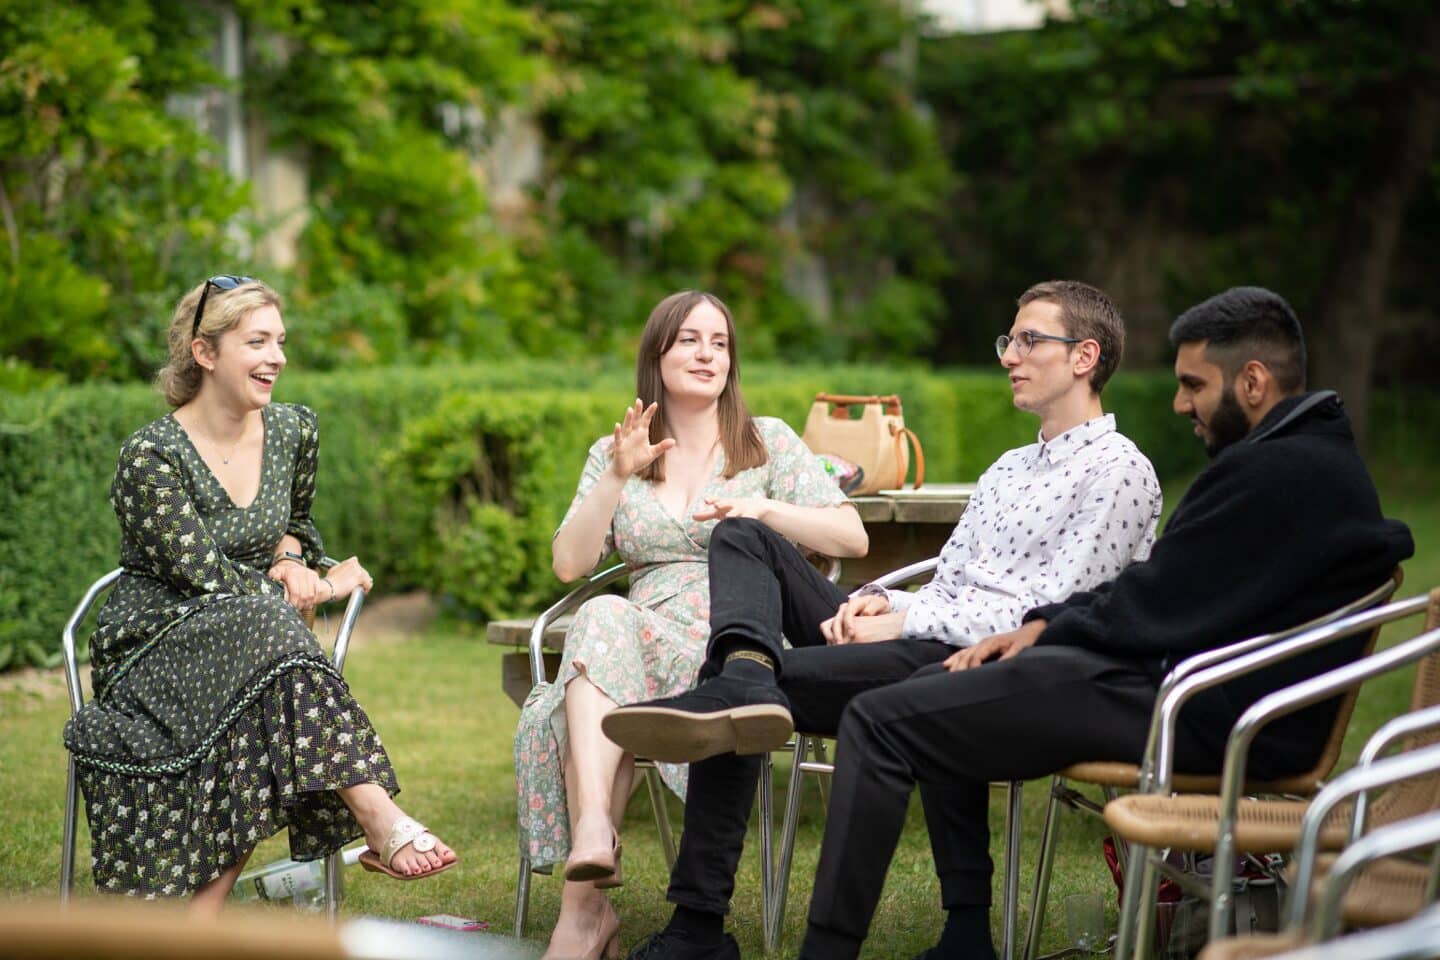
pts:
[876, 442]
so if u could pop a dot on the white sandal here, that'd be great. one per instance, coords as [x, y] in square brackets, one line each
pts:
[405, 831]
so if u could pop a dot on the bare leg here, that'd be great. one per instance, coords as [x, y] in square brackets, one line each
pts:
[597, 784]
[592, 763]
[209, 899]
[377, 813]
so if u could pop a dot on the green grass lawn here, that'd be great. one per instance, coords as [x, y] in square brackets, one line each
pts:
[437, 702]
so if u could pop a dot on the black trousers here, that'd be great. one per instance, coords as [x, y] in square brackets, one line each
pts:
[761, 588]
[952, 734]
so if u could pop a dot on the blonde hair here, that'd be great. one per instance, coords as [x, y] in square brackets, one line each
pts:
[739, 437]
[179, 380]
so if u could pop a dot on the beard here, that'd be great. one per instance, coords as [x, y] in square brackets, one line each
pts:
[1227, 424]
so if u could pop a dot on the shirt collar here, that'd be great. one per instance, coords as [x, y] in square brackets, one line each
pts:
[1076, 438]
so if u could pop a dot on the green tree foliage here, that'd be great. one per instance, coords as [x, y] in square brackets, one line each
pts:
[110, 204]
[711, 143]
[1196, 146]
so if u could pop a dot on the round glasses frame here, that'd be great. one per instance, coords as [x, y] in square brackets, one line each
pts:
[224, 281]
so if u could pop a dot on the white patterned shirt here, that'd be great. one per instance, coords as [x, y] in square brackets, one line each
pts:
[1045, 520]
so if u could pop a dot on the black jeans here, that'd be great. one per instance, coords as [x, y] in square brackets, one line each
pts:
[761, 588]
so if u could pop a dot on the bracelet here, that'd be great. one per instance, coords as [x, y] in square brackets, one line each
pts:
[326, 581]
[287, 555]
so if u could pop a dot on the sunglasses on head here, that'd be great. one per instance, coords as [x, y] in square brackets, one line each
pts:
[223, 282]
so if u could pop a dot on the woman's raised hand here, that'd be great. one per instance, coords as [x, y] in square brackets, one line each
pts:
[633, 450]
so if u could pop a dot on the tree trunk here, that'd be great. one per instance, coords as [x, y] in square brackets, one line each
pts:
[1349, 314]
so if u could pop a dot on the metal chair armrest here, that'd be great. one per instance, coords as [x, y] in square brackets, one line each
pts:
[67, 637]
[589, 588]
[1159, 759]
[1292, 698]
[1160, 764]
[1356, 781]
[1410, 940]
[1405, 725]
[1400, 837]
[907, 574]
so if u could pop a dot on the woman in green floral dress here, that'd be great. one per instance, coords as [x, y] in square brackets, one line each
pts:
[217, 719]
[687, 454]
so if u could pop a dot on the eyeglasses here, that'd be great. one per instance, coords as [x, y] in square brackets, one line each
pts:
[223, 282]
[1025, 342]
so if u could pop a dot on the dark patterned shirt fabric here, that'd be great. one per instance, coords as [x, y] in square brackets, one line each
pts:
[217, 720]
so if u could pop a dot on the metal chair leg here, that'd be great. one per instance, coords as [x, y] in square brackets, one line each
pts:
[817, 746]
[334, 885]
[522, 897]
[1040, 893]
[662, 816]
[1137, 918]
[1011, 904]
[781, 881]
[767, 850]
[67, 843]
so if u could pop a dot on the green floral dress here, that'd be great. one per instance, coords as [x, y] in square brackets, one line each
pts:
[650, 643]
[217, 719]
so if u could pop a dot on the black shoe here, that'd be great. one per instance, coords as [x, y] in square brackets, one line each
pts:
[674, 945]
[722, 715]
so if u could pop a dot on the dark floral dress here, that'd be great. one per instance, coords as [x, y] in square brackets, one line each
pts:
[217, 719]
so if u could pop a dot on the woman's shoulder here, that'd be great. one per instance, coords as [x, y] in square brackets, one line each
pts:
[296, 414]
[162, 433]
[773, 428]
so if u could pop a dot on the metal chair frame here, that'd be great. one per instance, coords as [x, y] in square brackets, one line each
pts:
[801, 765]
[1061, 794]
[334, 865]
[593, 586]
[1157, 772]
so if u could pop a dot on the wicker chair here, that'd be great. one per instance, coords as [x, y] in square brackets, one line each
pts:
[1366, 885]
[68, 648]
[1113, 776]
[1224, 824]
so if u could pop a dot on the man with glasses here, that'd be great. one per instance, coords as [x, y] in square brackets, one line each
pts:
[1059, 515]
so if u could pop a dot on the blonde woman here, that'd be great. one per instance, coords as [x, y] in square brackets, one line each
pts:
[686, 454]
[217, 720]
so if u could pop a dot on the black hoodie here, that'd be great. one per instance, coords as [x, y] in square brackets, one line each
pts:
[1282, 527]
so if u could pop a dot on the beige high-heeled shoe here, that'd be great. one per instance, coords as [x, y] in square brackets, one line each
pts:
[596, 863]
[613, 880]
[605, 946]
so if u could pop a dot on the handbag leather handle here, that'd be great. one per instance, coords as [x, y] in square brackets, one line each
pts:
[843, 401]
[900, 433]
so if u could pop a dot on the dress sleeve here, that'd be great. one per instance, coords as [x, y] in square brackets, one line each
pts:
[796, 475]
[596, 463]
[156, 515]
[302, 489]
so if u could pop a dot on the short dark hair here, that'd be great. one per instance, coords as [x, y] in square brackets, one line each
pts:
[1087, 313]
[1244, 324]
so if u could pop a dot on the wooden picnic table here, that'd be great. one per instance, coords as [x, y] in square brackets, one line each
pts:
[904, 526]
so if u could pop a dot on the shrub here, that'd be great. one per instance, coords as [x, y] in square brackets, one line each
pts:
[454, 479]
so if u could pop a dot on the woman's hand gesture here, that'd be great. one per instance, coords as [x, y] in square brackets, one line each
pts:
[633, 450]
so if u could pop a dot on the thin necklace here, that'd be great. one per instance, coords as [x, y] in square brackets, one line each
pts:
[233, 447]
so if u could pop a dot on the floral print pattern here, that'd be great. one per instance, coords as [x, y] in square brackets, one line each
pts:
[650, 643]
[217, 718]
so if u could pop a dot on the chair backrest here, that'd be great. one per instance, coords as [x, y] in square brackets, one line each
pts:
[67, 636]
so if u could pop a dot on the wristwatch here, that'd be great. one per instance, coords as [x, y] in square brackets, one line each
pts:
[288, 555]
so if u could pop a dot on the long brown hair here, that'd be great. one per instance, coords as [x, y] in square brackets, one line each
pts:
[739, 437]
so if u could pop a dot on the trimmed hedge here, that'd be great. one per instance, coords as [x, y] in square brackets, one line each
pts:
[453, 479]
